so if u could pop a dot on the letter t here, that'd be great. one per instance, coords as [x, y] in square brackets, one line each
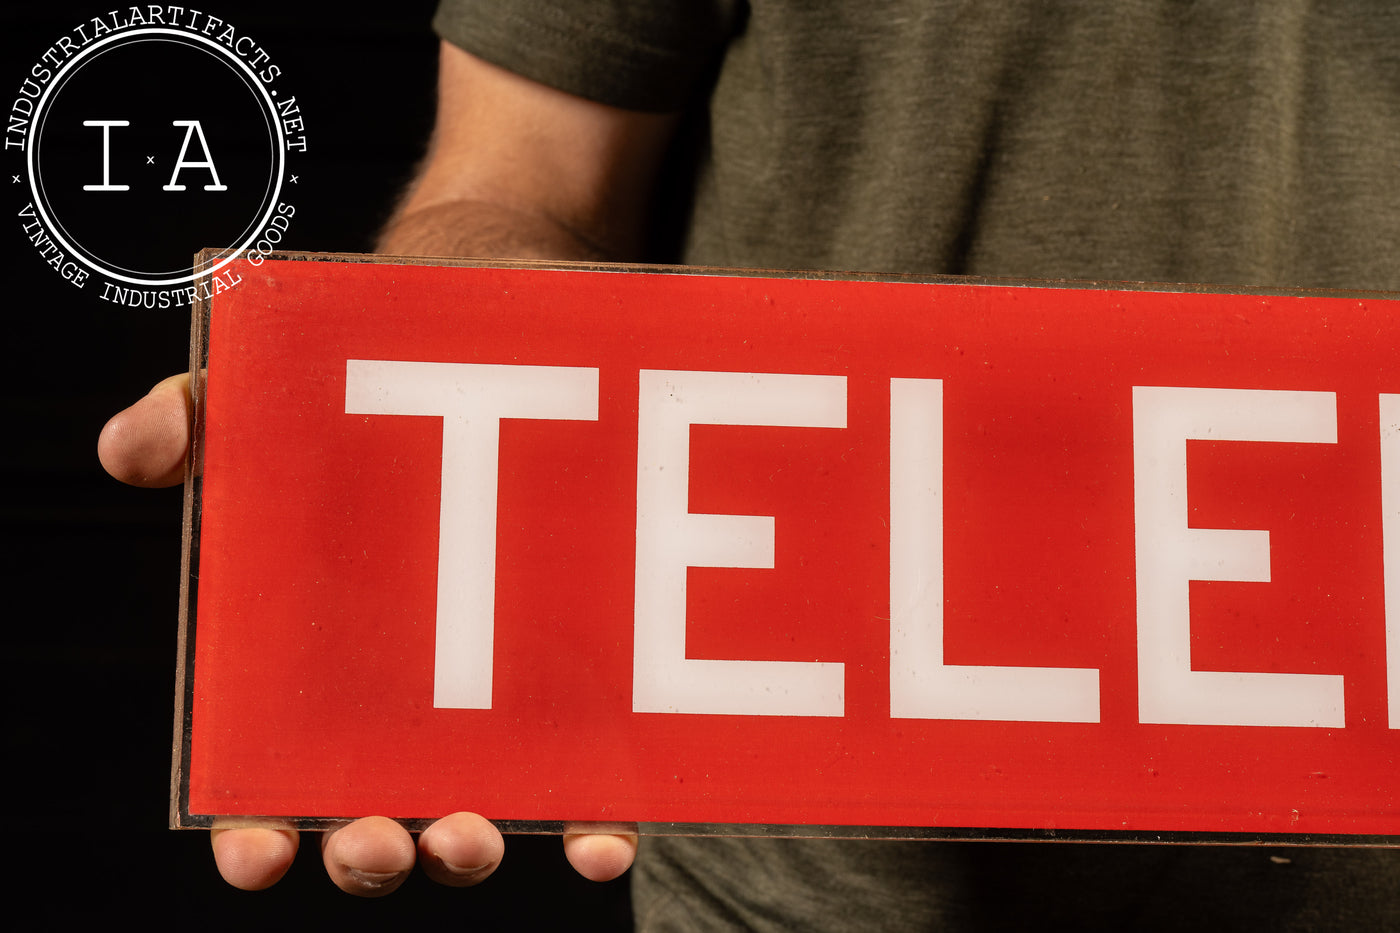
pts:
[471, 399]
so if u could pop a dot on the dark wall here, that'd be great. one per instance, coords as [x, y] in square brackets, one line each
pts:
[92, 568]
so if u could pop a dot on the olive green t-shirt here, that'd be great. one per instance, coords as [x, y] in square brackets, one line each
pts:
[1239, 142]
[1234, 142]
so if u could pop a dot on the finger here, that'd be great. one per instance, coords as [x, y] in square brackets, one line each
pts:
[460, 850]
[253, 859]
[369, 857]
[600, 856]
[146, 444]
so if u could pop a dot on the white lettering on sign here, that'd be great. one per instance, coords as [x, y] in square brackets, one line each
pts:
[1170, 554]
[671, 539]
[921, 685]
[1390, 524]
[471, 399]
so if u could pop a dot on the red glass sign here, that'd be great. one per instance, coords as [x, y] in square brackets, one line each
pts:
[688, 548]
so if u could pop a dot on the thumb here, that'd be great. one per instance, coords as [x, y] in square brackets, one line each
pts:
[146, 444]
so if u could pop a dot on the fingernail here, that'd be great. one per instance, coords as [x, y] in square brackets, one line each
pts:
[373, 880]
[465, 871]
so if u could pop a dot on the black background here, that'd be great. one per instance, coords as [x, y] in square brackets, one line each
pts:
[91, 568]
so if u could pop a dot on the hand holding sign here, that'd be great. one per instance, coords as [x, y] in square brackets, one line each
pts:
[146, 445]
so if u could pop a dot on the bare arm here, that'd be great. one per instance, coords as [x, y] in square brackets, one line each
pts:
[515, 170]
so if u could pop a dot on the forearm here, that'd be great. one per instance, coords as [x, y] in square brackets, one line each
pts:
[483, 230]
[518, 170]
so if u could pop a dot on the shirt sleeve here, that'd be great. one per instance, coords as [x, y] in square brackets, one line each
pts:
[634, 54]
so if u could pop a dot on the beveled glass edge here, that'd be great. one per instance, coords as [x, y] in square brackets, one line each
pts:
[182, 818]
[822, 831]
[1184, 288]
